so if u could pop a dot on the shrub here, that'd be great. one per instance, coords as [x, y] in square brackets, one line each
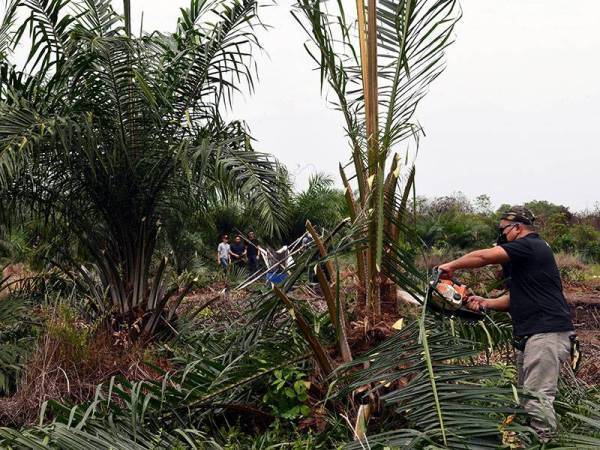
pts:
[572, 268]
[288, 394]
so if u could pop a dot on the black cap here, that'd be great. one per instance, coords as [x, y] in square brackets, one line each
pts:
[519, 213]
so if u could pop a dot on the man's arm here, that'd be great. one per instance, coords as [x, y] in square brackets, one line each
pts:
[501, 303]
[478, 258]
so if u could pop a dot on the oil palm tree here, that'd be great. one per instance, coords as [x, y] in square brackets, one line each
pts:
[320, 203]
[111, 134]
[379, 62]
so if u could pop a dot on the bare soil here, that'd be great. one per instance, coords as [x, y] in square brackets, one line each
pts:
[585, 309]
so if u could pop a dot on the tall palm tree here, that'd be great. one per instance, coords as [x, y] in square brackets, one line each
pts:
[111, 134]
[379, 66]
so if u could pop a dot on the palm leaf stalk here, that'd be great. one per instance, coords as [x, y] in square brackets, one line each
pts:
[379, 67]
[333, 298]
[113, 135]
[399, 372]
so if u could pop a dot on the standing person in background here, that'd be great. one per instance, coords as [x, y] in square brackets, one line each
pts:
[223, 258]
[306, 240]
[237, 251]
[253, 251]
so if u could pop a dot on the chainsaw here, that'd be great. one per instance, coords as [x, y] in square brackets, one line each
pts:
[449, 296]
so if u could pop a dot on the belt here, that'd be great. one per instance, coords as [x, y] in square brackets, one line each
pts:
[519, 342]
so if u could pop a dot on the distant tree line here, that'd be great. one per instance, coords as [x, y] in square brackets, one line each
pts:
[456, 222]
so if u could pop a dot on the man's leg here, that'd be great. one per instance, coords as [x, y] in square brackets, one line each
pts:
[542, 359]
[252, 264]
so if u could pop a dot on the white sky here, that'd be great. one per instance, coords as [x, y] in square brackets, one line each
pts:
[516, 115]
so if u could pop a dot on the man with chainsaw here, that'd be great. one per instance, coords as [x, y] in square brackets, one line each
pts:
[542, 327]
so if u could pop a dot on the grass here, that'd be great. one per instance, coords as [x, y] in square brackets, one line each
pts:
[593, 272]
[72, 356]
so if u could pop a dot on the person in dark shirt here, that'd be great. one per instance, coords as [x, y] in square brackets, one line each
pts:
[252, 250]
[540, 315]
[237, 251]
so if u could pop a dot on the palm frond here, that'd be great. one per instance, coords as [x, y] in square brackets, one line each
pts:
[260, 181]
[585, 434]
[49, 23]
[204, 63]
[413, 37]
[472, 411]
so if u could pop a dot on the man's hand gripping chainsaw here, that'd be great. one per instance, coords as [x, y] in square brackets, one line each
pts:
[449, 296]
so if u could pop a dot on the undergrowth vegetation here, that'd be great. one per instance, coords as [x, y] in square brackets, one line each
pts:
[255, 384]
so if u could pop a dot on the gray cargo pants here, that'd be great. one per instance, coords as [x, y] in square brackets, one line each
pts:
[538, 370]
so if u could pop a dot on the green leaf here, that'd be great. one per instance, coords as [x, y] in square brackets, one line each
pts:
[290, 392]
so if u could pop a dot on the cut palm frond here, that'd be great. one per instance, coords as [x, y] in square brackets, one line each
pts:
[472, 411]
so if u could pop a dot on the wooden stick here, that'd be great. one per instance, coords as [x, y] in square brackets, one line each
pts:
[319, 352]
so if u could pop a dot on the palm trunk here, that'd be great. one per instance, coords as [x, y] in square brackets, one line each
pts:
[361, 267]
[374, 169]
[125, 270]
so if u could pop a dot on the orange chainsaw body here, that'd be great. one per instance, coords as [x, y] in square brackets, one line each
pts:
[449, 295]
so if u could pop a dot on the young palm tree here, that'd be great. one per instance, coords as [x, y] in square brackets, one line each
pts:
[112, 134]
[320, 203]
[379, 67]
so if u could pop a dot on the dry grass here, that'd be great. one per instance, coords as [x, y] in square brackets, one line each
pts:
[572, 269]
[568, 260]
[15, 276]
[67, 365]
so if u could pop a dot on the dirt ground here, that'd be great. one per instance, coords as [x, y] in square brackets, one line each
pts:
[585, 307]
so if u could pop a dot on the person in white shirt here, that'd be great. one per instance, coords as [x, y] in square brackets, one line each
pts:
[223, 257]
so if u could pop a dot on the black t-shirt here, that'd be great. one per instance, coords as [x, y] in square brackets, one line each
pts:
[252, 248]
[238, 249]
[537, 303]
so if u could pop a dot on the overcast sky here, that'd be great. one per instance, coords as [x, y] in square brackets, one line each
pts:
[516, 115]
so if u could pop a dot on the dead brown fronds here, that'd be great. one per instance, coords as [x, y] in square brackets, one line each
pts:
[71, 359]
[214, 305]
[590, 364]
